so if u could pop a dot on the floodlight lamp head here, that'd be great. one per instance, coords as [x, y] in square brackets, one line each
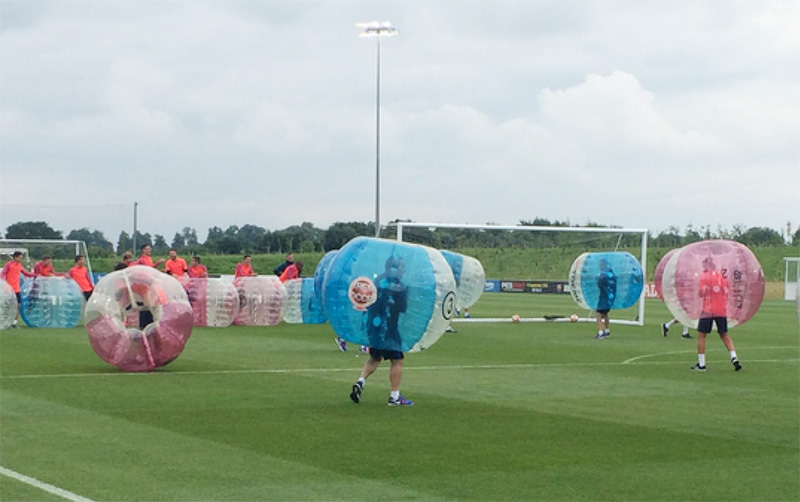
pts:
[377, 29]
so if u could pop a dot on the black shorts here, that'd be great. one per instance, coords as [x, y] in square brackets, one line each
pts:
[19, 298]
[385, 354]
[602, 311]
[704, 324]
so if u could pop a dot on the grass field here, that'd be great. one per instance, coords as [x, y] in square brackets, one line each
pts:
[528, 411]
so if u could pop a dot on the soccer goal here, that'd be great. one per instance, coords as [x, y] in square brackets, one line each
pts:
[543, 294]
[34, 249]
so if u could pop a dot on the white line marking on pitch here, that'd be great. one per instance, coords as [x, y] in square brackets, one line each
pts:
[631, 361]
[656, 354]
[43, 486]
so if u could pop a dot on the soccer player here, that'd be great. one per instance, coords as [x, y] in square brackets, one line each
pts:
[280, 268]
[11, 272]
[196, 269]
[245, 268]
[713, 289]
[44, 268]
[607, 283]
[383, 318]
[175, 266]
[145, 258]
[80, 274]
[293, 271]
[127, 261]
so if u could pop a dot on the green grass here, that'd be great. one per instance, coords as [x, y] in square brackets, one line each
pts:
[528, 411]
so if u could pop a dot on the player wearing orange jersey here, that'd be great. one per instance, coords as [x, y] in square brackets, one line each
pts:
[11, 272]
[80, 274]
[44, 268]
[713, 289]
[145, 258]
[245, 268]
[175, 266]
[196, 269]
[293, 271]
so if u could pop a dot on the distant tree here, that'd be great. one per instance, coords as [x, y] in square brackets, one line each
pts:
[141, 240]
[124, 243]
[160, 244]
[796, 238]
[189, 237]
[761, 236]
[178, 242]
[691, 235]
[91, 238]
[249, 237]
[32, 230]
[338, 235]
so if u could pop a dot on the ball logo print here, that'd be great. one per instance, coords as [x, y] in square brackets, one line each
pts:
[449, 305]
[362, 293]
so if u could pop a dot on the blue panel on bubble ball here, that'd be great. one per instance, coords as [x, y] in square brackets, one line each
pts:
[51, 302]
[311, 303]
[456, 262]
[611, 280]
[405, 286]
[319, 275]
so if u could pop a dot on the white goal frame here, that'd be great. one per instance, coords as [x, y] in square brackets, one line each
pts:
[639, 321]
[11, 245]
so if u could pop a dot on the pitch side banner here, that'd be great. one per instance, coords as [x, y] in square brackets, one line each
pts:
[511, 286]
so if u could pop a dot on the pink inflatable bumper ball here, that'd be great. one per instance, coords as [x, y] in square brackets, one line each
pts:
[262, 301]
[125, 293]
[713, 278]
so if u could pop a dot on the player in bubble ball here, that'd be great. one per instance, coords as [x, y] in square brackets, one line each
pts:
[607, 284]
[383, 317]
[713, 289]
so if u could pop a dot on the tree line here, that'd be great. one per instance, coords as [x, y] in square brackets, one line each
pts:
[307, 238]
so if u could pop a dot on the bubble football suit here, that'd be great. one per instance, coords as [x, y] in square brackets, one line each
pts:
[215, 302]
[262, 301]
[469, 276]
[51, 302]
[605, 281]
[713, 278]
[389, 295]
[138, 288]
[302, 302]
[8, 305]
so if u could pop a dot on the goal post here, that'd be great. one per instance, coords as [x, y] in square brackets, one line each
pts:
[639, 318]
[34, 249]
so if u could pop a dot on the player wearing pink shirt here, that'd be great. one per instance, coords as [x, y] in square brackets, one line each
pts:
[196, 270]
[145, 258]
[80, 274]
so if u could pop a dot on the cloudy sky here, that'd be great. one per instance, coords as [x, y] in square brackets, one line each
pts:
[642, 114]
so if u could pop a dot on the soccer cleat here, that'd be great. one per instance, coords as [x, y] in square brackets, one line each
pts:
[736, 365]
[341, 343]
[355, 394]
[400, 401]
[697, 367]
[664, 329]
[14, 324]
[364, 349]
[599, 336]
[687, 336]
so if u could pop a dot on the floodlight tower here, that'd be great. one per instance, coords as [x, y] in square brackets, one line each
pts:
[377, 30]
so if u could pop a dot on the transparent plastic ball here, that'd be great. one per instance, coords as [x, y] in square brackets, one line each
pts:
[469, 276]
[262, 300]
[606, 281]
[215, 301]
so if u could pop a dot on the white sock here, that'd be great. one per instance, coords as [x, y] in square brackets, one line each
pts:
[701, 359]
[362, 381]
[669, 324]
[685, 330]
[605, 332]
[395, 394]
[733, 355]
[600, 332]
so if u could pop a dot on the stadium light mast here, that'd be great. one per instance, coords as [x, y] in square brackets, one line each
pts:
[377, 30]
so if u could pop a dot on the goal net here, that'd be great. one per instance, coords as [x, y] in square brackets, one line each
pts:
[545, 253]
